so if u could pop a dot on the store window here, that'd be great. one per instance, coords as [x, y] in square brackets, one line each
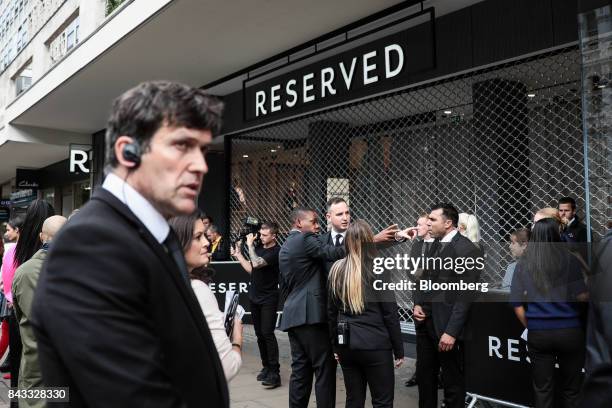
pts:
[66, 38]
[67, 200]
[23, 79]
[82, 193]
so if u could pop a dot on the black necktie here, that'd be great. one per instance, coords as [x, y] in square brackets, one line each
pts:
[172, 245]
[338, 239]
[426, 248]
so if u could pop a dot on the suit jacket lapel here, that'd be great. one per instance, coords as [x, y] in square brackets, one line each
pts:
[159, 250]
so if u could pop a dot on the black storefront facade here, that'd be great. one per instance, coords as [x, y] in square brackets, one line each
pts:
[497, 108]
[482, 107]
[67, 185]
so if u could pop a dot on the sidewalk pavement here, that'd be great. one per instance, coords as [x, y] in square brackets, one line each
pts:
[247, 392]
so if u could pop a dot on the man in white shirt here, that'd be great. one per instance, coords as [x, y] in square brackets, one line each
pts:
[114, 292]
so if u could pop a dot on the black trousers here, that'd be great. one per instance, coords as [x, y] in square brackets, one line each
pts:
[373, 368]
[264, 322]
[311, 353]
[565, 346]
[15, 348]
[429, 362]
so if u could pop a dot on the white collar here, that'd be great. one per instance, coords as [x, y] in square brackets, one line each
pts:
[334, 234]
[140, 206]
[570, 221]
[448, 237]
[429, 240]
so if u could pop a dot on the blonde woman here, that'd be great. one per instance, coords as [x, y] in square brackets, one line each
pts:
[365, 329]
[468, 227]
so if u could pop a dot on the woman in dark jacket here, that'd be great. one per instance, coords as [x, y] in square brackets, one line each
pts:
[547, 287]
[369, 336]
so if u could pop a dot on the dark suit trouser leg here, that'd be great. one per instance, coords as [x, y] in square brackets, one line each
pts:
[263, 350]
[312, 344]
[368, 368]
[427, 366]
[354, 379]
[452, 376]
[544, 348]
[264, 322]
[380, 377]
[15, 347]
[300, 382]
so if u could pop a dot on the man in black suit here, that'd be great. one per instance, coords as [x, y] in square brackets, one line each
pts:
[443, 314]
[303, 285]
[219, 248]
[338, 217]
[574, 230]
[114, 314]
[305, 260]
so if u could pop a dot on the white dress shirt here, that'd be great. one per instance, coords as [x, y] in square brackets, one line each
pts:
[449, 237]
[334, 234]
[230, 358]
[140, 206]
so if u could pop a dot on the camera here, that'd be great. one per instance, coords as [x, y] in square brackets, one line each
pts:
[250, 225]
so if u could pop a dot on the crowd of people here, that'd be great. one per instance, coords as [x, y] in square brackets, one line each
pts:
[114, 303]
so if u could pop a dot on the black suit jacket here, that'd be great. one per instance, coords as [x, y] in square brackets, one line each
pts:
[116, 322]
[377, 328]
[222, 252]
[327, 240]
[303, 278]
[449, 310]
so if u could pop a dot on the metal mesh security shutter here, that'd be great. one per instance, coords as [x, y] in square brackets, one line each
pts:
[499, 143]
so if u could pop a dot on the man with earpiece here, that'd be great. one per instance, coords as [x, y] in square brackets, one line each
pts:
[115, 317]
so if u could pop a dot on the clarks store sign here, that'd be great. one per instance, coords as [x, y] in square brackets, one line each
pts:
[364, 70]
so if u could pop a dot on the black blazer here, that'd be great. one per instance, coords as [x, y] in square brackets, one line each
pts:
[377, 328]
[223, 251]
[303, 278]
[327, 240]
[116, 322]
[449, 310]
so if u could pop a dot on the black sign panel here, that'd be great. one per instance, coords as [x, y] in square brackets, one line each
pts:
[27, 179]
[496, 360]
[231, 276]
[380, 65]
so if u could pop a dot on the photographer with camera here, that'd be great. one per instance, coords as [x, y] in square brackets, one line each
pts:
[263, 295]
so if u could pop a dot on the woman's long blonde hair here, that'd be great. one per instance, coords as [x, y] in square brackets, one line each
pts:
[346, 278]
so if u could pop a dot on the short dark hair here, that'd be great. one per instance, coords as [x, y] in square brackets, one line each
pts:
[448, 211]
[334, 200]
[568, 200]
[213, 228]
[207, 217]
[142, 110]
[299, 213]
[183, 228]
[272, 226]
[16, 222]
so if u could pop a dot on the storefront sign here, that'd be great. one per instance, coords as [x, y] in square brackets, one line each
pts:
[22, 198]
[80, 158]
[27, 179]
[367, 68]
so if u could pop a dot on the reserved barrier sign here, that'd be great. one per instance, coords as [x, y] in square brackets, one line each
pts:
[496, 360]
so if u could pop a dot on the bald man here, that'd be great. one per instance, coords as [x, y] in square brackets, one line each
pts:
[24, 286]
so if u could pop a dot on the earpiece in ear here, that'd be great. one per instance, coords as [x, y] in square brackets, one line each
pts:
[131, 153]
